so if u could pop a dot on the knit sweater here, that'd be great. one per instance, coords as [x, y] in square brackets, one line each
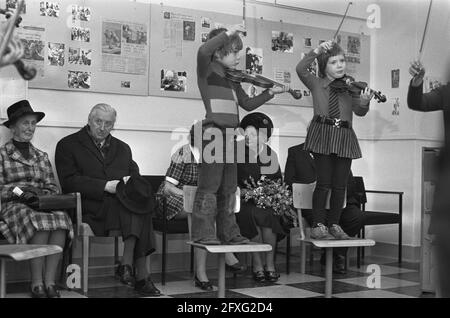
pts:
[222, 97]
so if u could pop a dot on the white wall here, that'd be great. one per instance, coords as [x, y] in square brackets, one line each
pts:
[391, 145]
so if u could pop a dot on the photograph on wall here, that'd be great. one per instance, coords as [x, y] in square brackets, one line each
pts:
[205, 36]
[282, 42]
[33, 42]
[253, 60]
[173, 81]
[125, 84]
[49, 9]
[313, 68]
[78, 56]
[79, 79]
[111, 35]
[353, 49]
[206, 22]
[308, 42]
[81, 34]
[124, 53]
[218, 25]
[81, 13]
[134, 34]
[12, 4]
[282, 76]
[395, 78]
[188, 30]
[55, 54]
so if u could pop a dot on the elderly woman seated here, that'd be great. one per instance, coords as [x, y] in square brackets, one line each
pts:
[24, 167]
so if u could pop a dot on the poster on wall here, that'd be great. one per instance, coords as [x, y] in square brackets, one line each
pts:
[353, 49]
[395, 78]
[253, 60]
[33, 42]
[177, 28]
[282, 76]
[12, 5]
[49, 9]
[282, 42]
[124, 47]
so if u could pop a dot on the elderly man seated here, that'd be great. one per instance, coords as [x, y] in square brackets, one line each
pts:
[99, 166]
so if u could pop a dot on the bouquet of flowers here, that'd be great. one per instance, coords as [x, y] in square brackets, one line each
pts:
[274, 194]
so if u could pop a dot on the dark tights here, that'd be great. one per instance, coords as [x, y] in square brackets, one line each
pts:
[332, 174]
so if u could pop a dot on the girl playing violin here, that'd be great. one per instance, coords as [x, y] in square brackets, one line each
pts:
[330, 137]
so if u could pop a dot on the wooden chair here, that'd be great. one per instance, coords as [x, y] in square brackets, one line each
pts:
[378, 217]
[220, 250]
[302, 196]
[166, 227]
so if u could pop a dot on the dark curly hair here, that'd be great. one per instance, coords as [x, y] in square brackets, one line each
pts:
[322, 59]
[234, 43]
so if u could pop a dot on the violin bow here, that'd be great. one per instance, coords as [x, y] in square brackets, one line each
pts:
[244, 22]
[10, 28]
[342, 21]
[425, 31]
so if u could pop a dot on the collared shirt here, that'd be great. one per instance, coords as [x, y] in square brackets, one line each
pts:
[102, 146]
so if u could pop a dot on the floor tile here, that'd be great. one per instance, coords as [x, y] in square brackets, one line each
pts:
[385, 269]
[376, 293]
[179, 287]
[386, 282]
[228, 294]
[279, 291]
[337, 287]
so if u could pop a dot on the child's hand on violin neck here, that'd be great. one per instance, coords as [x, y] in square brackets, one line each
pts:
[235, 29]
[324, 47]
[416, 70]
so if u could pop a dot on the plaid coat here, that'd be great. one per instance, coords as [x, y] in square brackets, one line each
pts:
[18, 222]
[184, 169]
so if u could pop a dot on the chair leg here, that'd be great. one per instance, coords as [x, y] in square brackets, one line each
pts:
[288, 253]
[85, 253]
[163, 263]
[303, 257]
[192, 259]
[311, 256]
[362, 248]
[400, 244]
[358, 254]
[275, 253]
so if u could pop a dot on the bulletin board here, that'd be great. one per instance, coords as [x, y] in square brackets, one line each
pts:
[176, 35]
[87, 45]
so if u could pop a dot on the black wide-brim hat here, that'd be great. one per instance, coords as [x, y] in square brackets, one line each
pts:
[20, 109]
[257, 120]
[136, 195]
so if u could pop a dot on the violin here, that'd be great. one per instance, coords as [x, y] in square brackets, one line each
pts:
[27, 72]
[237, 76]
[348, 83]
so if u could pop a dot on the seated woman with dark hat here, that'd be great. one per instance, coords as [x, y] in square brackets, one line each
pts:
[258, 224]
[25, 171]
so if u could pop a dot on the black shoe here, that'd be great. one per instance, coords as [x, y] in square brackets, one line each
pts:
[271, 276]
[259, 276]
[126, 275]
[146, 288]
[38, 292]
[235, 268]
[203, 285]
[53, 292]
[339, 265]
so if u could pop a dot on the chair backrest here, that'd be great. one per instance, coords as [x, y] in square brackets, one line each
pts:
[189, 196]
[302, 195]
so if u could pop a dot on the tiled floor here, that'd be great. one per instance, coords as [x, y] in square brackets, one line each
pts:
[396, 282]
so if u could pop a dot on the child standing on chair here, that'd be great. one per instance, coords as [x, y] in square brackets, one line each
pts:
[330, 137]
[217, 180]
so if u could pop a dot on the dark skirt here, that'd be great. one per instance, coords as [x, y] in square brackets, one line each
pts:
[250, 216]
[326, 140]
[119, 218]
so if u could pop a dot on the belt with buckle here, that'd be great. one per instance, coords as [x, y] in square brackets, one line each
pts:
[336, 122]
